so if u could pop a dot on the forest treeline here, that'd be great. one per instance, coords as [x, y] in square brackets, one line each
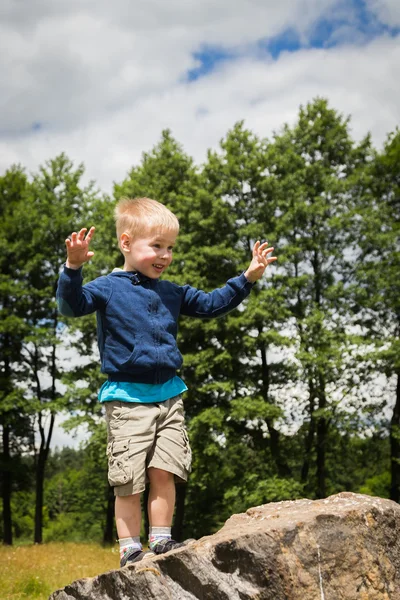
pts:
[297, 394]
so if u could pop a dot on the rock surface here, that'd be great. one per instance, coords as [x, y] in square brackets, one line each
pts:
[342, 548]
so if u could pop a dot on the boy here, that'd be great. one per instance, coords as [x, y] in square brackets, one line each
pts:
[137, 315]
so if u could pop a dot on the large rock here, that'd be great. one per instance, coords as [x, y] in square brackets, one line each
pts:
[343, 548]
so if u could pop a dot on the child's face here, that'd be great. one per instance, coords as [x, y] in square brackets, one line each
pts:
[150, 255]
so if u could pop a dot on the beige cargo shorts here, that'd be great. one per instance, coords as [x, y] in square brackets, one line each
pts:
[143, 435]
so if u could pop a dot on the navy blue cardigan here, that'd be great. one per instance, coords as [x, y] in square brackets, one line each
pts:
[137, 318]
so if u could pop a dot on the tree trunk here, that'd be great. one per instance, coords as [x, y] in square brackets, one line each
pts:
[177, 529]
[6, 469]
[274, 435]
[309, 438]
[395, 445]
[322, 431]
[146, 511]
[44, 441]
[108, 535]
[40, 472]
[6, 487]
[40, 466]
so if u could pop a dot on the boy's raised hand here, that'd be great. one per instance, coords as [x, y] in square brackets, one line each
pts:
[78, 248]
[260, 261]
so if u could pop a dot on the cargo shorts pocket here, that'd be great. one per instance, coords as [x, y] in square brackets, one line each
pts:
[119, 465]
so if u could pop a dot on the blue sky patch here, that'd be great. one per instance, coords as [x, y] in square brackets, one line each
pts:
[357, 24]
[208, 58]
[351, 23]
[288, 41]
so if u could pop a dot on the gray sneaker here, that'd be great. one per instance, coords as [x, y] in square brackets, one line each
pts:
[165, 545]
[135, 556]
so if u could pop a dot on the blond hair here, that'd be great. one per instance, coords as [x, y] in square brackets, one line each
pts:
[143, 215]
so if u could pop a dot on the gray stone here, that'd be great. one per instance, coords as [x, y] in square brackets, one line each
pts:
[346, 547]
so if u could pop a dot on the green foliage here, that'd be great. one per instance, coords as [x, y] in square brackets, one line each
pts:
[76, 495]
[251, 408]
[23, 510]
[254, 492]
[379, 485]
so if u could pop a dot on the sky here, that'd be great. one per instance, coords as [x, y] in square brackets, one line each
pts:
[100, 80]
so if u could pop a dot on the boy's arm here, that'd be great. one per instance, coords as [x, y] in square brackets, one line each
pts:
[73, 299]
[197, 303]
[76, 300]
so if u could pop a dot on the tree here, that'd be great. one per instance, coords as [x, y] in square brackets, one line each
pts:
[312, 164]
[54, 205]
[377, 289]
[13, 420]
[239, 176]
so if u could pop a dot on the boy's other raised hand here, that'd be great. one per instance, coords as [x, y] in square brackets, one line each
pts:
[78, 248]
[260, 261]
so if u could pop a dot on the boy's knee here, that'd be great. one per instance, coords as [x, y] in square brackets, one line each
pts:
[159, 476]
[132, 499]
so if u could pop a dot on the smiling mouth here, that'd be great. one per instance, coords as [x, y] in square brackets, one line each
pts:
[158, 266]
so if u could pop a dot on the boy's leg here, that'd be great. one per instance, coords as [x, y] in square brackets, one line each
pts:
[161, 497]
[131, 431]
[161, 510]
[128, 518]
[128, 515]
[170, 458]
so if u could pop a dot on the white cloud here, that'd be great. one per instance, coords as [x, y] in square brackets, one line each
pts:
[387, 11]
[66, 64]
[104, 80]
[357, 81]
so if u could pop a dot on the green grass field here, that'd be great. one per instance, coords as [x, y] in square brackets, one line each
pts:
[37, 571]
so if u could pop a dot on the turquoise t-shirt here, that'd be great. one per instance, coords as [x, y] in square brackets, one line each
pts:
[125, 391]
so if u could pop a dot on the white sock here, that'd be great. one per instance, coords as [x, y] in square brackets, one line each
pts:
[129, 543]
[158, 533]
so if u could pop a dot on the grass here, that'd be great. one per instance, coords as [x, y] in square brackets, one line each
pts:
[36, 571]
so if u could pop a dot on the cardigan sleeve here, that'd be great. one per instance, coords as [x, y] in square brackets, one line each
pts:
[77, 300]
[196, 303]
